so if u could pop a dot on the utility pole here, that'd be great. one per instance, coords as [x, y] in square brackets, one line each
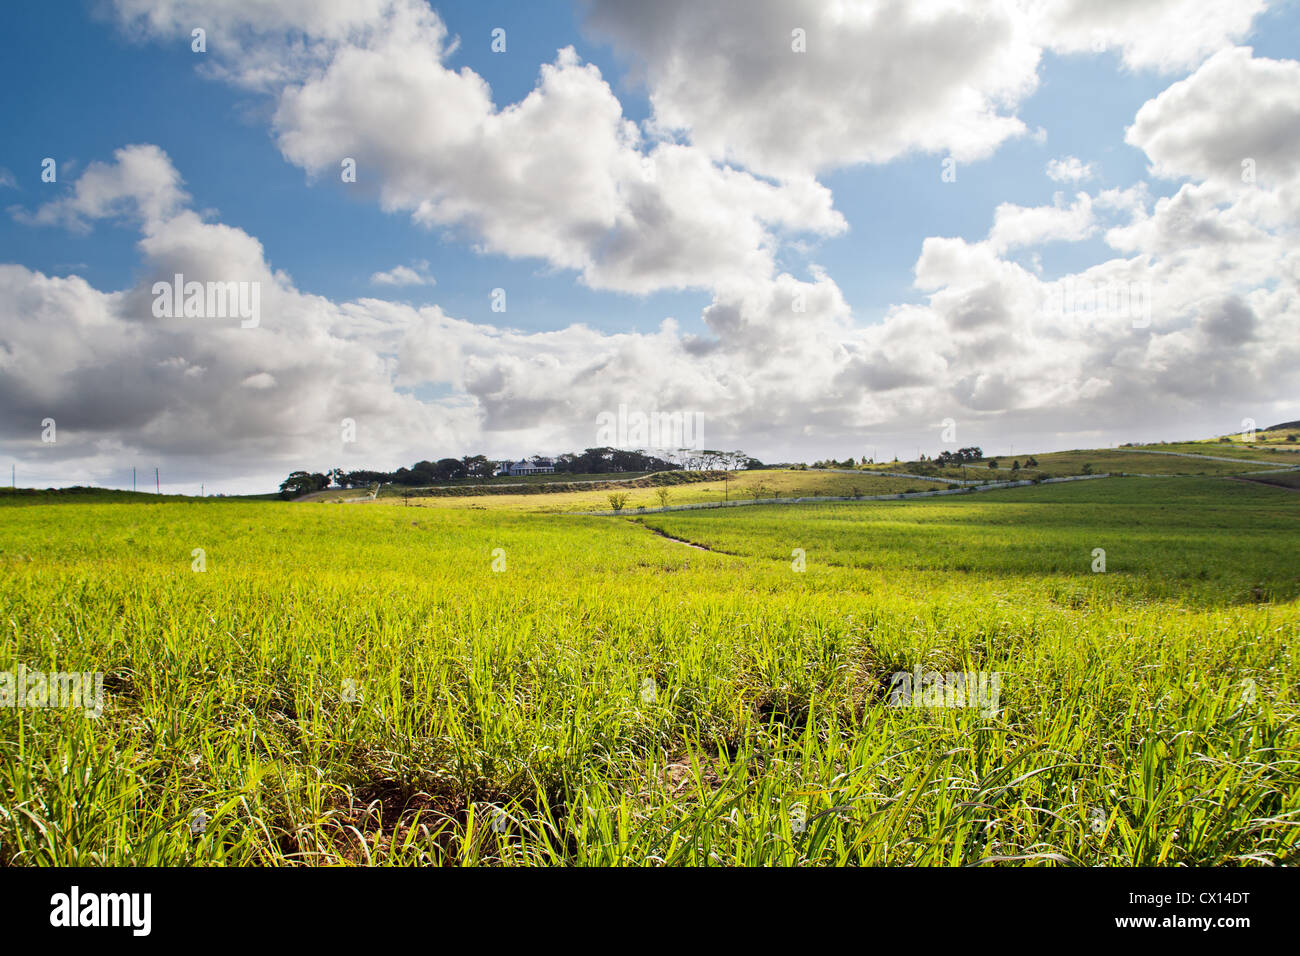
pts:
[157, 487]
[133, 477]
[13, 476]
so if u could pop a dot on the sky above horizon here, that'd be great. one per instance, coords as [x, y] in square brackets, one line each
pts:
[827, 229]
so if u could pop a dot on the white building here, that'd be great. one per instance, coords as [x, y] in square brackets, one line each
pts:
[543, 466]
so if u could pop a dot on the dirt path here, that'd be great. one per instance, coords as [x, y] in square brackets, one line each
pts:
[1266, 484]
[689, 544]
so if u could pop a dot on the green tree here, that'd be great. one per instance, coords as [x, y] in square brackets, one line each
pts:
[302, 483]
[448, 469]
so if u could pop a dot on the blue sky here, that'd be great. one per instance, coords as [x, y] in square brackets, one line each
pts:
[81, 81]
[330, 241]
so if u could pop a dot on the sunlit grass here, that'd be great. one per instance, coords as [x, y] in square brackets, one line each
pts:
[613, 697]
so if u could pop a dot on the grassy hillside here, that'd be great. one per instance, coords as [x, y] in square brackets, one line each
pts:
[739, 486]
[1282, 454]
[1189, 458]
[570, 492]
[1286, 436]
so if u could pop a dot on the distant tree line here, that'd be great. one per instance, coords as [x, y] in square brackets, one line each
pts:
[962, 456]
[592, 461]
